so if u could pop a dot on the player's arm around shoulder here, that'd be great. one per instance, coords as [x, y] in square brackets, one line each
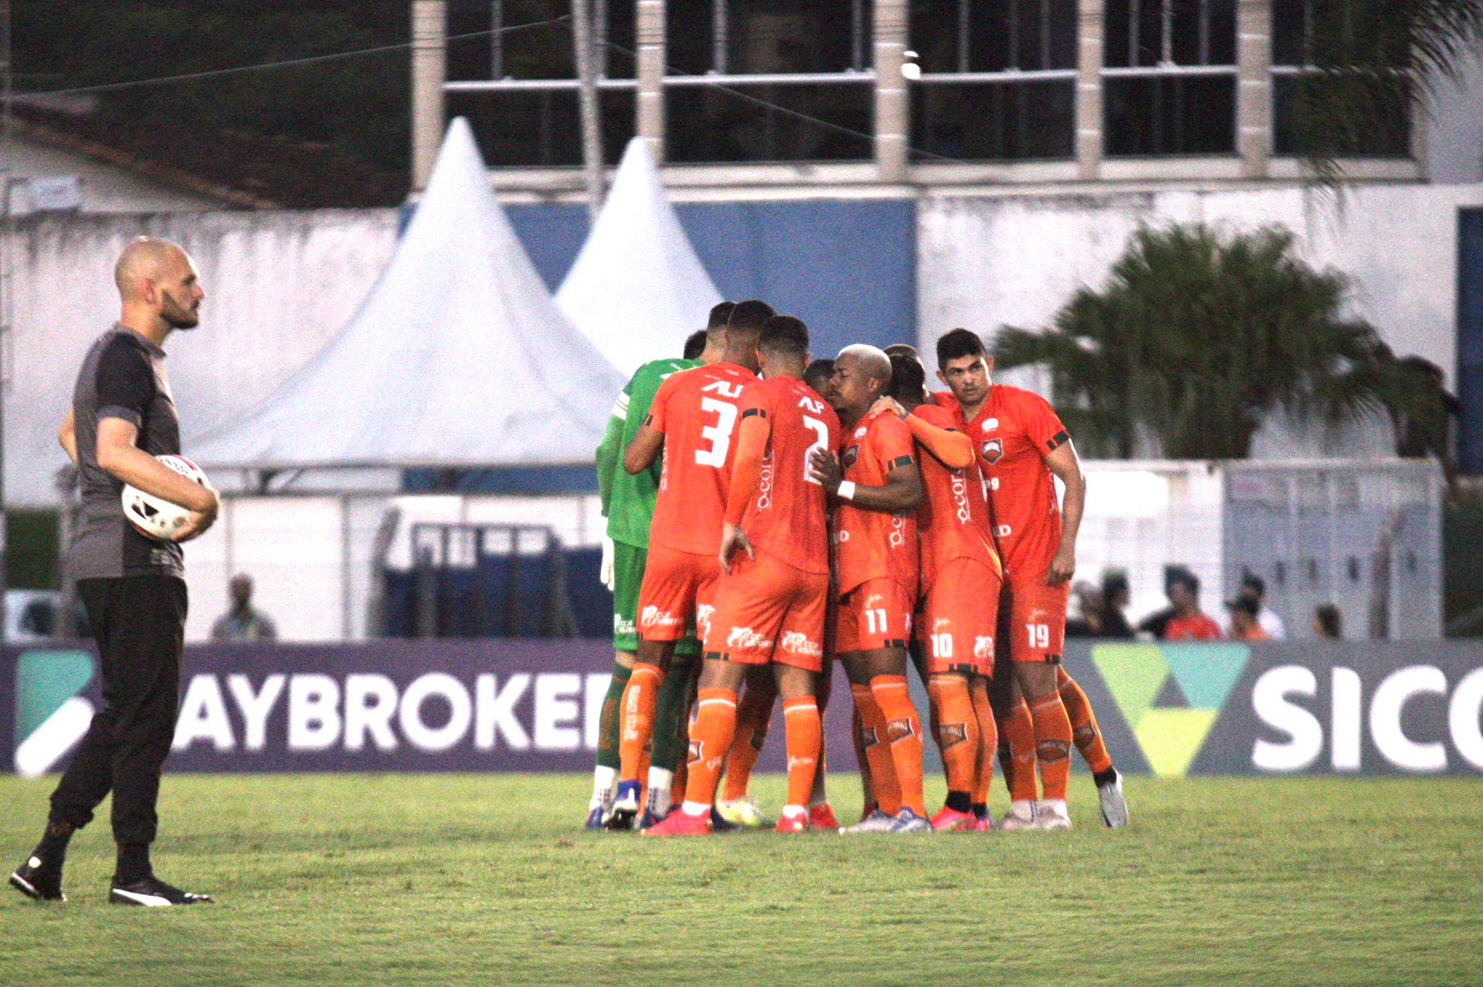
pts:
[935, 431]
[891, 442]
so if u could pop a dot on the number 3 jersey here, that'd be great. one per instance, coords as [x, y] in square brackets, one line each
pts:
[875, 544]
[697, 411]
[788, 516]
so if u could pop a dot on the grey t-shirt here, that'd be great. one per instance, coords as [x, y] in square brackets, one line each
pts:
[123, 376]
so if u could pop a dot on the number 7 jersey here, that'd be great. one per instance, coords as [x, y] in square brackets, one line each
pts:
[697, 411]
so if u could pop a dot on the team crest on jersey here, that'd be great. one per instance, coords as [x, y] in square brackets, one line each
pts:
[850, 455]
[860, 432]
[990, 424]
[991, 450]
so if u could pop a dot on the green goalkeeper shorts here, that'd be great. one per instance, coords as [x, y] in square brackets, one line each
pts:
[628, 576]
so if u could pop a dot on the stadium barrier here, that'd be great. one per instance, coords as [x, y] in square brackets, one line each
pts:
[531, 705]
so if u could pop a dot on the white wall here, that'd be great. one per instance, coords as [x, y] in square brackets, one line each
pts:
[104, 188]
[278, 286]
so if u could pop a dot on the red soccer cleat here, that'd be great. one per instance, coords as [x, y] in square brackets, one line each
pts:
[954, 821]
[983, 825]
[822, 817]
[681, 823]
[792, 824]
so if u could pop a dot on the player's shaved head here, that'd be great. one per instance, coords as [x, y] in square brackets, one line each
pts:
[869, 360]
[145, 259]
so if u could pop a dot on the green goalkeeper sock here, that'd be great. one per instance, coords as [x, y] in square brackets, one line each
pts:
[607, 731]
[670, 704]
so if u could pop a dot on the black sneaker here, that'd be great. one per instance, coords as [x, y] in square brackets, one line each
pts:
[35, 879]
[152, 892]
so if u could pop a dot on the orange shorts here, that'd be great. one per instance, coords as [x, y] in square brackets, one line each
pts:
[874, 615]
[767, 610]
[959, 616]
[1032, 619]
[676, 585]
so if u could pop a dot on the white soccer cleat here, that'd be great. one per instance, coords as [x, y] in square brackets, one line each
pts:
[1114, 805]
[1050, 814]
[742, 812]
[1021, 815]
[876, 822]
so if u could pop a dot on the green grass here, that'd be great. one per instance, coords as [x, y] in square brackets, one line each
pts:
[440, 879]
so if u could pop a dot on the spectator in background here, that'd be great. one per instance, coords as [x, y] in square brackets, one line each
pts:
[1252, 588]
[243, 622]
[1084, 615]
[1328, 622]
[695, 345]
[1244, 623]
[1184, 620]
[1115, 598]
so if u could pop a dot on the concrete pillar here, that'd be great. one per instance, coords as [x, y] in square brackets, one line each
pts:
[1254, 86]
[429, 71]
[892, 111]
[1089, 89]
[650, 95]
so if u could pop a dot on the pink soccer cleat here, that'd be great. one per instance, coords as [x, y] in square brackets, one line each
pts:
[954, 821]
[681, 823]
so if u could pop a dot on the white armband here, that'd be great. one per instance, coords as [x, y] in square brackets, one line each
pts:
[846, 490]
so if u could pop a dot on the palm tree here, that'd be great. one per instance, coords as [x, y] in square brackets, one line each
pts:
[1367, 60]
[1195, 339]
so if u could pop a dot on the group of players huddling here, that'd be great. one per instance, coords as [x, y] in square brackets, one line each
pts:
[763, 511]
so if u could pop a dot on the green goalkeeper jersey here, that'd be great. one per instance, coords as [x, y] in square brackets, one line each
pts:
[628, 501]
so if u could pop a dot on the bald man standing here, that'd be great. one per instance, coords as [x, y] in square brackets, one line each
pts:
[132, 587]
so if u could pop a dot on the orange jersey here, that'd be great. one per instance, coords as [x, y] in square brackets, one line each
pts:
[875, 544]
[789, 513]
[1013, 432]
[697, 410]
[953, 519]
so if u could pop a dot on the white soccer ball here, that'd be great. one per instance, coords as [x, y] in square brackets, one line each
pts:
[154, 517]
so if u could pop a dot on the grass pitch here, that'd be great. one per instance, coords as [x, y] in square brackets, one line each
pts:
[459, 879]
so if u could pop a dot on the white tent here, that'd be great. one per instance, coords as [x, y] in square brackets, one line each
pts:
[637, 289]
[456, 358]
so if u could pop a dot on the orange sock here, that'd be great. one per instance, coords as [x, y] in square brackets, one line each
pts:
[710, 738]
[988, 740]
[885, 791]
[752, 718]
[956, 731]
[637, 720]
[803, 731]
[1052, 744]
[904, 731]
[1084, 732]
[1017, 751]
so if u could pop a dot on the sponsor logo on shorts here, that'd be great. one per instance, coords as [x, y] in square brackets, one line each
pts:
[860, 432]
[654, 617]
[991, 450]
[703, 617]
[745, 637]
[798, 643]
[983, 647]
[623, 626]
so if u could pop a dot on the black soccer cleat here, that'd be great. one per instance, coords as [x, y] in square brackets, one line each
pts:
[153, 893]
[35, 879]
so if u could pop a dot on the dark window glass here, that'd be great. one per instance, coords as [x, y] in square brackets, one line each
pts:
[770, 36]
[540, 128]
[990, 121]
[1202, 32]
[1289, 32]
[711, 124]
[532, 52]
[1387, 131]
[1170, 115]
[993, 35]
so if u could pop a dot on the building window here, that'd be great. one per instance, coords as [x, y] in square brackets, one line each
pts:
[998, 79]
[517, 84]
[769, 80]
[1297, 25]
[1169, 77]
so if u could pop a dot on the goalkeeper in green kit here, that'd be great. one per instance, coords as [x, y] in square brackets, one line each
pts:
[628, 505]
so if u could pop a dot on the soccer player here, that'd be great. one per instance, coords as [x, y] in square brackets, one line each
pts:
[771, 598]
[960, 577]
[133, 588]
[1021, 445]
[878, 487]
[628, 504]
[692, 418]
